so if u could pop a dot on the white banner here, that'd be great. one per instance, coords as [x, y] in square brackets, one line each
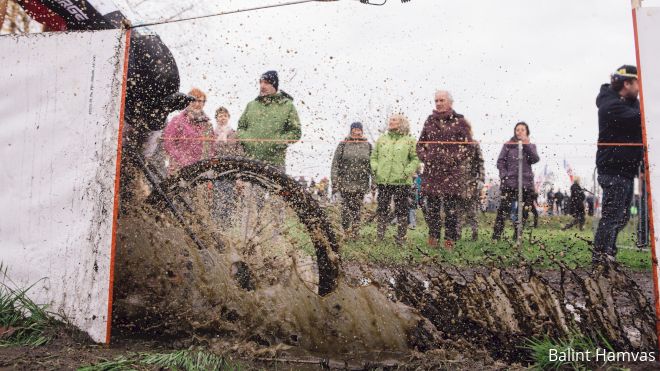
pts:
[648, 40]
[60, 97]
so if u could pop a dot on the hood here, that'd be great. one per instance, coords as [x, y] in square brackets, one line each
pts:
[443, 116]
[278, 97]
[606, 94]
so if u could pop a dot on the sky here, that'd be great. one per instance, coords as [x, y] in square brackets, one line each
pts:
[503, 61]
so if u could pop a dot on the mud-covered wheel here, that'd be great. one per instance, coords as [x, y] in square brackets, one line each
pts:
[273, 181]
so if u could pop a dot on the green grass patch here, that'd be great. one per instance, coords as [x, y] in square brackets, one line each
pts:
[569, 352]
[22, 321]
[540, 245]
[188, 360]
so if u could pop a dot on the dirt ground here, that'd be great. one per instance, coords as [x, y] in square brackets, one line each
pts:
[70, 349]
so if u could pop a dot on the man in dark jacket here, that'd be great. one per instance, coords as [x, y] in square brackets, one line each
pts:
[619, 121]
[559, 200]
[445, 166]
[576, 208]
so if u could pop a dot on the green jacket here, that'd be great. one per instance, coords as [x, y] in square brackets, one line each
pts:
[351, 169]
[273, 119]
[394, 159]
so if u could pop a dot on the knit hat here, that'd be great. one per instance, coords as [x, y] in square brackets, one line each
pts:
[271, 78]
[356, 125]
[625, 72]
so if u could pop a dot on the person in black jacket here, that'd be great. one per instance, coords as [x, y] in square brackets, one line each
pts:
[576, 202]
[619, 121]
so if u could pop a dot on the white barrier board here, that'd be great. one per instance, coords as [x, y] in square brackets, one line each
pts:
[60, 97]
[648, 38]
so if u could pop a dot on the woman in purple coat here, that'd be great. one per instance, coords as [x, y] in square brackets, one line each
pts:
[507, 164]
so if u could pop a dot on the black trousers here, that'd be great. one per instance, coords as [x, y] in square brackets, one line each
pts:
[617, 197]
[434, 206]
[387, 192]
[351, 204]
[509, 195]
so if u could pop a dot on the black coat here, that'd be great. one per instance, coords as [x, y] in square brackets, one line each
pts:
[577, 200]
[619, 121]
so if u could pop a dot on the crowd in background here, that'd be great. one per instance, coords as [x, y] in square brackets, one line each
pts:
[441, 172]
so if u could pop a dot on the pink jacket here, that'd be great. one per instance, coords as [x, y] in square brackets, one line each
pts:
[186, 142]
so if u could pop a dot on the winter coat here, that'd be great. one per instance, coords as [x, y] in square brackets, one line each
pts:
[507, 164]
[394, 160]
[230, 146]
[446, 166]
[274, 120]
[187, 142]
[577, 200]
[351, 169]
[619, 121]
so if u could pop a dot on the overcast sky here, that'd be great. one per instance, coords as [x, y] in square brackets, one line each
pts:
[504, 61]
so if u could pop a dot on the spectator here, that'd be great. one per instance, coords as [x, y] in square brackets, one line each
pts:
[189, 137]
[550, 201]
[393, 163]
[619, 121]
[225, 192]
[559, 200]
[414, 200]
[446, 167]
[471, 207]
[590, 205]
[269, 123]
[507, 164]
[350, 177]
[577, 205]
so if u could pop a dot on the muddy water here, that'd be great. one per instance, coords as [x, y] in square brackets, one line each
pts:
[165, 285]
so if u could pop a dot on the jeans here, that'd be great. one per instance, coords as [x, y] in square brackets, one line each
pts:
[509, 195]
[617, 197]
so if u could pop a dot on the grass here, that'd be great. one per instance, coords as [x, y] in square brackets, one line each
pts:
[22, 322]
[188, 360]
[571, 247]
[571, 345]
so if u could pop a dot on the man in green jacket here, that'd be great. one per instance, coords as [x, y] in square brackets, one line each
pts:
[269, 123]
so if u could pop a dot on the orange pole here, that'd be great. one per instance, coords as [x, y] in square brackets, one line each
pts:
[654, 258]
[115, 211]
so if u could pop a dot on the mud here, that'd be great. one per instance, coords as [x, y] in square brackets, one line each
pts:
[244, 298]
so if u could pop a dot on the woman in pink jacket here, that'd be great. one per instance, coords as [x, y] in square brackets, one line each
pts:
[189, 136]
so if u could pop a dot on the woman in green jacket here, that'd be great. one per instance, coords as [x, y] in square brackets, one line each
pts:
[393, 163]
[350, 176]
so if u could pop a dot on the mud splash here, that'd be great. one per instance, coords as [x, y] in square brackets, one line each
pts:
[224, 294]
[165, 285]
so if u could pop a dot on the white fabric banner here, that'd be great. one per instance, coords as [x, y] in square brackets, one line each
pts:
[648, 38]
[60, 97]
